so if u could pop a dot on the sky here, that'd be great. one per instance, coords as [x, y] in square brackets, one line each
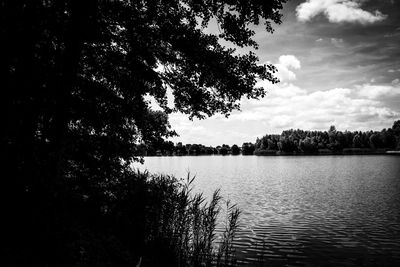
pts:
[339, 64]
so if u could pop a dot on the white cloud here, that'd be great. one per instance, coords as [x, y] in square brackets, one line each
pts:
[377, 91]
[190, 131]
[338, 11]
[289, 61]
[317, 110]
[154, 104]
[288, 106]
[286, 64]
[282, 89]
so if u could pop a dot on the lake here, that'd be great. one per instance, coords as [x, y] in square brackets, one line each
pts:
[304, 210]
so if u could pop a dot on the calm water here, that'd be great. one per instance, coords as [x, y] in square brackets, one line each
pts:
[305, 210]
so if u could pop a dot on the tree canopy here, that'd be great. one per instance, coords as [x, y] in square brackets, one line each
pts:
[76, 75]
[329, 141]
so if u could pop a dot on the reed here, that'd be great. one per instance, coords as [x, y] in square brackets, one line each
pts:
[179, 227]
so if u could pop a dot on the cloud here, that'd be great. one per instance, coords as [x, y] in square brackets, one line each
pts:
[190, 131]
[377, 91]
[393, 71]
[289, 61]
[338, 11]
[338, 42]
[154, 105]
[318, 110]
[288, 105]
[286, 64]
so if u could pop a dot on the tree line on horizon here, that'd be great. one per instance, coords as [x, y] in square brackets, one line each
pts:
[330, 141]
[168, 148]
[289, 141]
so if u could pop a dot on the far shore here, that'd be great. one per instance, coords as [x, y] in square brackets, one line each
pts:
[321, 152]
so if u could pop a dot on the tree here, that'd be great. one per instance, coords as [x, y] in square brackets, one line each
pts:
[224, 149]
[76, 75]
[235, 150]
[287, 144]
[194, 149]
[248, 149]
[332, 137]
[272, 144]
[308, 145]
[388, 138]
[340, 141]
[357, 141]
[180, 149]
[375, 141]
[396, 128]
[396, 131]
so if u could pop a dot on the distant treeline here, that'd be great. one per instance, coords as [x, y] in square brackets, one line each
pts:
[292, 142]
[331, 141]
[168, 148]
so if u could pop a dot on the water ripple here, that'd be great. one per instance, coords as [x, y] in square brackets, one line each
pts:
[305, 211]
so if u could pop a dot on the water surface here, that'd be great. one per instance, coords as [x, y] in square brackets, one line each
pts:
[304, 210]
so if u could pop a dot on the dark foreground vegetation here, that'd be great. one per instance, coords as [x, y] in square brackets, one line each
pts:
[147, 220]
[138, 219]
[76, 78]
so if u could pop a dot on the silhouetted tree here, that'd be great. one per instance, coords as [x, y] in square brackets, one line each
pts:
[248, 149]
[388, 138]
[287, 143]
[224, 149]
[308, 145]
[235, 150]
[75, 76]
[375, 141]
[396, 128]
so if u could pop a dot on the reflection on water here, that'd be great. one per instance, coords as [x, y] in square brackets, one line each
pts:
[305, 210]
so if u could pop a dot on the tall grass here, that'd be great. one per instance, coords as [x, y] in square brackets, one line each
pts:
[179, 227]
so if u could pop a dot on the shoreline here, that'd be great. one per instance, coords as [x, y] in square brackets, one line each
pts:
[279, 153]
[344, 152]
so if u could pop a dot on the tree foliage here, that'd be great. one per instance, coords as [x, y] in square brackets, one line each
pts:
[335, 141]
[76, 77]
[235, 150]
[77, 73]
